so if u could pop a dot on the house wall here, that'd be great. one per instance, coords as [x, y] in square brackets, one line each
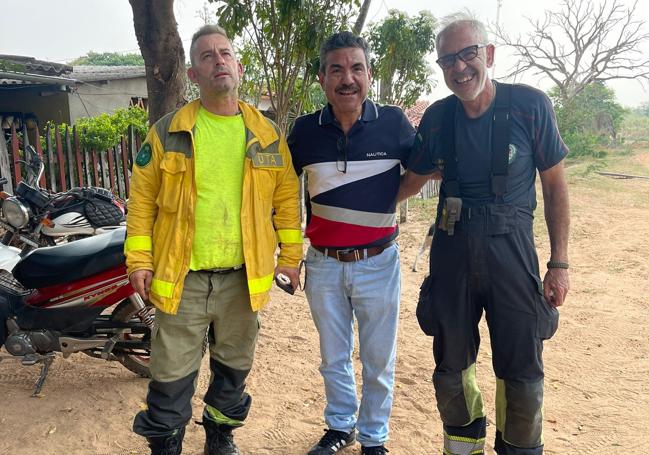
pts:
[46, 104]
[94, 98]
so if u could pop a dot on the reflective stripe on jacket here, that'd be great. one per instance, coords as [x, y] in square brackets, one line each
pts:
[160, 220]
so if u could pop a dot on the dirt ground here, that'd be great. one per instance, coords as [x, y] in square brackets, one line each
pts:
[597, 365]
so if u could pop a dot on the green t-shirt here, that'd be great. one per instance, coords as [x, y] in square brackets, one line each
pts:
[219, 153]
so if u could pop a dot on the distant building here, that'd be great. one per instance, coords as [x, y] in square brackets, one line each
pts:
[36, 90]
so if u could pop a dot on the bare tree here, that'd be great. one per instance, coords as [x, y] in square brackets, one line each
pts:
[164, 56]
[582, 43]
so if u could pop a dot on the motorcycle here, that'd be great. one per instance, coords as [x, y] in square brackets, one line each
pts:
[36, 217]
[75, 297]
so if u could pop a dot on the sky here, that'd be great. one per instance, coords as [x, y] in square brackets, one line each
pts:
[61, 30]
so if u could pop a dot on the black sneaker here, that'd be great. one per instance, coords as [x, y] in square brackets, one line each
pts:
[374, 450]
[218, 438]
[332, 442]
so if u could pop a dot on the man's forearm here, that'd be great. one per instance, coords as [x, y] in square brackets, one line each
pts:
[410, 184]
[557, 213]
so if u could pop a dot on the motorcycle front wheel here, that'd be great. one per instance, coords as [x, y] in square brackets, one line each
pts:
[136, 359]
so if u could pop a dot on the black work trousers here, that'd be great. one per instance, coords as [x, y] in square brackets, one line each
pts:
[489, 264]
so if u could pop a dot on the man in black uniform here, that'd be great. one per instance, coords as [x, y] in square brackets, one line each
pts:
[486, 142]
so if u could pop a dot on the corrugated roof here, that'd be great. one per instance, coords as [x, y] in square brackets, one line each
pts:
[34, 66]
[104, 73]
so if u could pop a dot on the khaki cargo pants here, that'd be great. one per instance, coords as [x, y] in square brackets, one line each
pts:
[220, 302]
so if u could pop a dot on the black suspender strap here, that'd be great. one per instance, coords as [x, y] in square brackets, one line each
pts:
[500, 136]
[450, 183]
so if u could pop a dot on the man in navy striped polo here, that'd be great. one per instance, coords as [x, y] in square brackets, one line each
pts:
[352, 151]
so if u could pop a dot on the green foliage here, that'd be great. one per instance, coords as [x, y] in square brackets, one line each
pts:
[98, 133]
[134, 116]
[104, 131]
[108, 59]
[635, 127]
[589, 120]
[642, 110]
[6, 65]
[400, 45]
[253, 82]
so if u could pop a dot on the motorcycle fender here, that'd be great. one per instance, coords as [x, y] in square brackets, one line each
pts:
[9, 257]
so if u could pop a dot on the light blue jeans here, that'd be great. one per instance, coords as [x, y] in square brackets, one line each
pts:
[368, 289]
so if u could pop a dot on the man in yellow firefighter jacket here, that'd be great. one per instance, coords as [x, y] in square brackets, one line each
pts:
[213, 192]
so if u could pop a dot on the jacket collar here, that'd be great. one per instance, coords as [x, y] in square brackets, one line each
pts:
[370, 113]
[261, 127]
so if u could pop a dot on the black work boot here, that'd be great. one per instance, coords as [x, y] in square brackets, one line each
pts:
[171, 444]
[218, 438]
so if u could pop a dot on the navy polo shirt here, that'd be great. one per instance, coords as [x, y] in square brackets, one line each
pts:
[353, 206]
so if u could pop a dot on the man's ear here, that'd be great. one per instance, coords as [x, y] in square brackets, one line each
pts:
[191, 74]
[491, 51]
[241, 70]
[321, 77]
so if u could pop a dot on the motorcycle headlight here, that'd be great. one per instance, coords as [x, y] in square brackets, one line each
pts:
[15, 213]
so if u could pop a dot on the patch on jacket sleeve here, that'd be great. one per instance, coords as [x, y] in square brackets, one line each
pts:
[260, 159]
[144, 155]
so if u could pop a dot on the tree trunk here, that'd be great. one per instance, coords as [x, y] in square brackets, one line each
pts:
[385, 91]
[362, 15]
[163, 53]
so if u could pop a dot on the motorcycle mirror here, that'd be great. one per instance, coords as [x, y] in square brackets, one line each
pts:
[35, 166]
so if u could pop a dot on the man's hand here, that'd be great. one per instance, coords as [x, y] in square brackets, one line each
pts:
[293, 273]
[555, 286]
[141, 282]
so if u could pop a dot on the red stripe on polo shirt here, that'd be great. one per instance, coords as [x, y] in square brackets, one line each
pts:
[323, 232]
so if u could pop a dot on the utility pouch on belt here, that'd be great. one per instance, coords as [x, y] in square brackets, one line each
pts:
[450, 214]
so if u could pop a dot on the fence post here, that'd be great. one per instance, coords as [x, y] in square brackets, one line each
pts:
[5, 168]
[77, 154]
[95, 169]
[124, 158]
[50, 157]
[68, 153]
[59, 157]
[86, 159]
[111, 168]
[102, 167]
[15, 152]
[403, 211]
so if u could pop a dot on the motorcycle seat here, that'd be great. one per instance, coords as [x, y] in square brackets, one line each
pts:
[71, 261]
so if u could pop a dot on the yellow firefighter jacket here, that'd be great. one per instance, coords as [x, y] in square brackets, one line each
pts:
[160, 220]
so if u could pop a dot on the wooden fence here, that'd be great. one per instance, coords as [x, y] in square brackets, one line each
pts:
[67, 164]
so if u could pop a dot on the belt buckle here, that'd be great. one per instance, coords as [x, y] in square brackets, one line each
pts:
[347, 251]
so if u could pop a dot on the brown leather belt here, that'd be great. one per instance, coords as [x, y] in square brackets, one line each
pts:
[353, 254]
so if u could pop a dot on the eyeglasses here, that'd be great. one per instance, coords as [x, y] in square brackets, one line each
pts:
[466, 55]
[341, 161]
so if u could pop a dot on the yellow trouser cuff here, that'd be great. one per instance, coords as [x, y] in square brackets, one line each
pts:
[218, 417]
